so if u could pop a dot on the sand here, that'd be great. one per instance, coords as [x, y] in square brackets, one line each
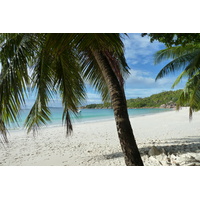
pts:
[169, 134]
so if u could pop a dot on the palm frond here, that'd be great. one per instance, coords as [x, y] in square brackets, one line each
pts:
[60, 62]
[179, 63]
[191, 95]
[3, 131]
[194, 66]
[175, 52]
[93, 75]
[69, 82]
[191, 69]
[102, 41]
[118, 65]
[42, 82]
[38, 116]
[178, 79]
[113, 54]
[15, 53]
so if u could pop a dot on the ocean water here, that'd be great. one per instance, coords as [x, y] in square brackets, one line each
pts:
[86, 115]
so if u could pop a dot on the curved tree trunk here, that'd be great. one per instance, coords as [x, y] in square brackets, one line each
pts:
[124, 129]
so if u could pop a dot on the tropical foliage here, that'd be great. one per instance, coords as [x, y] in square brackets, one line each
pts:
[187, 60]
[59, 63]
[98, 106]
[170, 39]
[49, 70]
[155, 100]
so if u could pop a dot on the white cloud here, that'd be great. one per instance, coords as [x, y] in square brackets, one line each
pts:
[142, 84]
[140, 49]
[93, 97]
[143, 79]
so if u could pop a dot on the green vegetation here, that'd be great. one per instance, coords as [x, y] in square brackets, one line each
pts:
[155, 100]
[60, 64]
[185, 56]
[99, 106]
[170, 39]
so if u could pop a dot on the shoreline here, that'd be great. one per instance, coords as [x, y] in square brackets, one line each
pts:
[102, 119]
[97, 143]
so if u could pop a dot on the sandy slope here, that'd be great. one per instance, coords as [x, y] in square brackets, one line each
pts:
[97, 143]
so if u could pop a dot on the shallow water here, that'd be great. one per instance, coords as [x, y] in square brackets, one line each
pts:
[86, 115]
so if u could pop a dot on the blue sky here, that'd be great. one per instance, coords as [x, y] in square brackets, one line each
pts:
[139, 53]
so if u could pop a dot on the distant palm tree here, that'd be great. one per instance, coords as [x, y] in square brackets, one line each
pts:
[61, 62]
[187, 59]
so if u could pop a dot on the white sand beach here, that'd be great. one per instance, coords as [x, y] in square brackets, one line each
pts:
[175, 138]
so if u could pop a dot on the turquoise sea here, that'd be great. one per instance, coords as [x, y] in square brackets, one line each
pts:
[87, 115]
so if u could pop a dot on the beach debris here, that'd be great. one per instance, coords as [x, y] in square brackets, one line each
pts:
[154, 151]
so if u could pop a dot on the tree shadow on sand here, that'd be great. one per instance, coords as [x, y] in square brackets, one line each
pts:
[175, 146]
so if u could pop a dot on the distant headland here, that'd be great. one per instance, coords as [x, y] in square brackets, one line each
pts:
[166, 99]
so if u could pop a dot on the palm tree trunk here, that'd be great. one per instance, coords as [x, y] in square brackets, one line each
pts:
[124, 129]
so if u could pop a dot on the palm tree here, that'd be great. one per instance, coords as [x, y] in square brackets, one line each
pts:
[187, 59]
[60, 62]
